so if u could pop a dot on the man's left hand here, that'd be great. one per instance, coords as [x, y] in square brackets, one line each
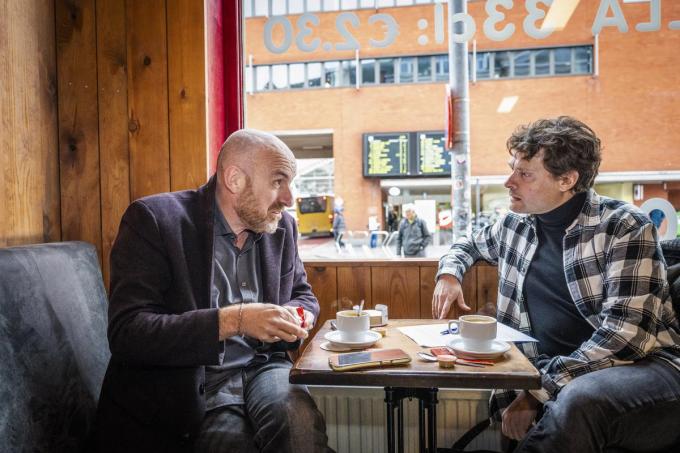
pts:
[309, 318]
[519, 416]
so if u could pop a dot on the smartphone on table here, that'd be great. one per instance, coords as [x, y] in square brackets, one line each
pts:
[368, 359]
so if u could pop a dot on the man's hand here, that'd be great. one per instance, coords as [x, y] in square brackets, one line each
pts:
[309, 318]
[447, 291]
[519, 416]
[265, 322]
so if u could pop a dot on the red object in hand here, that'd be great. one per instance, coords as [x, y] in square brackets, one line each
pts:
[301, 314]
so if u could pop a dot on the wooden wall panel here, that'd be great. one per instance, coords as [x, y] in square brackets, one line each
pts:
[427, 274]
[324, 283]
[78, 121]
[29, 172]
[427, 285]
[354, 284]
[186, 96]
[147, 59]
[487, 288]
[398, 288]
[113, 125]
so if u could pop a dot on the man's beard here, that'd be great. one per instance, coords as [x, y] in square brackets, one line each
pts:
[252, 218]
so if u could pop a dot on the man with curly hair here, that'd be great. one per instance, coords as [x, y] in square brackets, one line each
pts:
[584, 274]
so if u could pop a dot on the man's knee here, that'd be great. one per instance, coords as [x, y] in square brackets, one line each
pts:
[582, 401]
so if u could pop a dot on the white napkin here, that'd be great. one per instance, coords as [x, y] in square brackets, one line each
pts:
[430, 336]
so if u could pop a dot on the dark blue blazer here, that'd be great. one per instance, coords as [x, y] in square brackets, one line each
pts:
[162, 331]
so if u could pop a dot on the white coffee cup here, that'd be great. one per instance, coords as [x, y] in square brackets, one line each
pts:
[477, 331]
[352, 326]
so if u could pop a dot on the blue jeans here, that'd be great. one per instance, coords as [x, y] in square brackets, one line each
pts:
[626, 408]
[277, 416]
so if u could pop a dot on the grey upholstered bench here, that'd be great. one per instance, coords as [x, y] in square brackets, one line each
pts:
[53, 346]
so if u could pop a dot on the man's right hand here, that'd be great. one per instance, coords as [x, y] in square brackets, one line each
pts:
[266, 322]
[447, 290]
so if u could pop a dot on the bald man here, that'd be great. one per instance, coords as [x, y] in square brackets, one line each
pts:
[205, 288]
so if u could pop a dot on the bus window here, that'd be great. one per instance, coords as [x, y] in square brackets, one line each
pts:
[315, 215]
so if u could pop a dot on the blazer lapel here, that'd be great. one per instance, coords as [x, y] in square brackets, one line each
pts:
[271, 253]
[206, 226]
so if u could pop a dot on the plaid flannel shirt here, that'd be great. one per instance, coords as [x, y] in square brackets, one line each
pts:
[616, 276]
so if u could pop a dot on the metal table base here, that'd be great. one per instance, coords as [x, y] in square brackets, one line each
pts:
[427, 400]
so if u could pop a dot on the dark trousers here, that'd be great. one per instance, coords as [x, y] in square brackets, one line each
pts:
[277, 417]
[621, 409]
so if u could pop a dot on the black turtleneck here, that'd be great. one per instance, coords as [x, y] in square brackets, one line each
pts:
[555, 321]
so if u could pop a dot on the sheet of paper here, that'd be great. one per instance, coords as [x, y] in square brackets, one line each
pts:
[430, 335]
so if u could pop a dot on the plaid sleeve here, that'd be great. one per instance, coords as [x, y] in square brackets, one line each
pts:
[482, 245]
[634, 289]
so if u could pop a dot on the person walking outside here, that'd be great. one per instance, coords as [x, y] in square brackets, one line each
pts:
[413, 234]
[338, 226]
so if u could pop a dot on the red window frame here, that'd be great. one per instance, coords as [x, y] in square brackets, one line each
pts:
[225, 72]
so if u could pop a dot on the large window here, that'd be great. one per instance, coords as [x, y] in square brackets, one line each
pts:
[521, 63]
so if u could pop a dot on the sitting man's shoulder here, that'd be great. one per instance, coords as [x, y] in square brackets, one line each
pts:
[612, 211]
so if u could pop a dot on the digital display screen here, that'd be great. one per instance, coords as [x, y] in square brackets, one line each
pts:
[433, 158]
[386, 155]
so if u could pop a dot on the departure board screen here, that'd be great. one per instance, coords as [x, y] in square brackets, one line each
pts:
[386, 155]
[433, 158]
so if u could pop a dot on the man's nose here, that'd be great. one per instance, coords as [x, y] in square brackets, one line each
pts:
[286, 196]
[509, 182]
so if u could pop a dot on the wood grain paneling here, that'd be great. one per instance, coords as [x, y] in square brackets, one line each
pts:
[324, 283]
[398, 288]
[113, 126]
[78, 121]
[72, 158]
[148, 97]
[354, 284]
[186, 95]
[487, 288]
[29, 172]
[427, 274]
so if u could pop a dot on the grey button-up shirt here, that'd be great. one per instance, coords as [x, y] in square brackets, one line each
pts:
[236, 279]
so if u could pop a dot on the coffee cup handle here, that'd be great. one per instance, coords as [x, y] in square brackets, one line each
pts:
[451, 331]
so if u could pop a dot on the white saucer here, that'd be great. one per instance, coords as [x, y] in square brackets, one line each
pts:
[369, 339]
[497, 349]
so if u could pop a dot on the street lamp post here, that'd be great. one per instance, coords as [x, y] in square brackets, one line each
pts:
[460, 153]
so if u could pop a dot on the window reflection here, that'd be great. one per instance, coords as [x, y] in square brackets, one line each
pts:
[542, 62]
[262, 81]
[296, 6]
[280, 76]
[501, 65]
[522, 63]
[368, 72]
[297, 75]
[562, 61]
[332, 74]
[313, 74]
[313, 5]
[424, 69]
[349, 72]
[386, 68]
[331, 5]
[261, 7]
[441, 68]
[484, 65]
[406, 69]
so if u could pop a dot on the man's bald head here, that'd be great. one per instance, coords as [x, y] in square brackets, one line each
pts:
[245, 147]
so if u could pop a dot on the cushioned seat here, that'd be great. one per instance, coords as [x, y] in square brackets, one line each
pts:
[53, 346]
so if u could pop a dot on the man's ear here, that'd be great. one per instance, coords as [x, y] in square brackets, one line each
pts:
[233, 179]
[568, 180]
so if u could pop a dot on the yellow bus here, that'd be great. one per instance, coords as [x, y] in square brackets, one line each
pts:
[315, 215]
